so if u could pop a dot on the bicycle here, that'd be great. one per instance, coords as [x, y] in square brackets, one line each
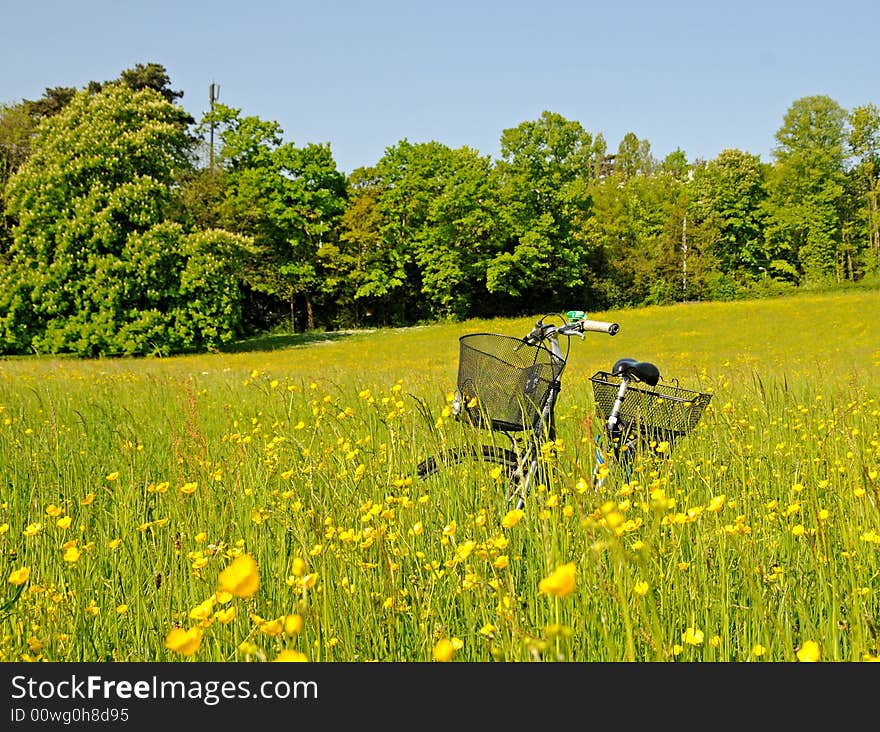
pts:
[510, 385]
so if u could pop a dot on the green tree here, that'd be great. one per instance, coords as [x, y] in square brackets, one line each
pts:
[805, 205]
[54, 99]
[438, 215]
[544, 175]
[369, 273]
[95, 267]
[460, 236]
[288, 199]
[16, 129]
[633, 157]
[864, 145]
[728, 195]
[150, 76]
[19, 121]
[651, 253]
[419, 231]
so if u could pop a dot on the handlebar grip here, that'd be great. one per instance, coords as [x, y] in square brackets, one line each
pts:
[598, 326]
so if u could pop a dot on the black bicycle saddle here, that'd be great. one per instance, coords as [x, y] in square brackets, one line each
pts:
[638, 370]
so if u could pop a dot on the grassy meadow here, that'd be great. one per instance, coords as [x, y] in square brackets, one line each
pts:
[261, 504]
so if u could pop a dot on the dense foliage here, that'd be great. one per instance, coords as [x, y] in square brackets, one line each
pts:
[95, 265]
[121, 233]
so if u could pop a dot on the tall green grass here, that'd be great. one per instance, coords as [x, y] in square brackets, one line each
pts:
[756, 539]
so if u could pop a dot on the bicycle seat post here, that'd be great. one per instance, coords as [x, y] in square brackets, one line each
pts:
[614, 417]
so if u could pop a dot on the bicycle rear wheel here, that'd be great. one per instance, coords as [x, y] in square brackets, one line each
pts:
[492, 457]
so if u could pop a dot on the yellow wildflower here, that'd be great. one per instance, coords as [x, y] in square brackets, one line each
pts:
[289, 655]
[272, 627]
[463, 550]
[293, 624]
[19, 576]
[512, 518]
[560, 582]
[184, 642]
[808, 652]
[203, 610]
[248, 648]
[444, 650]
[226, 615]
[241, 578]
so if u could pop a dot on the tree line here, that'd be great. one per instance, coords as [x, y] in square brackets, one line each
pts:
[121, 233]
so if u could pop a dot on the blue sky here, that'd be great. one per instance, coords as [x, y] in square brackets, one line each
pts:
[361, 76]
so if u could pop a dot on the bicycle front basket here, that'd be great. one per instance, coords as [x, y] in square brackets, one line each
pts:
[662, 412]
[504, 382]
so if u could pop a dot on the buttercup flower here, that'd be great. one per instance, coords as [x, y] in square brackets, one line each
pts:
[241, 578]
[226, 615]
[289, 655]
[808, 652]
[444, 650]
[692, 637]
[19, 576]
[560, 582]
[184, 642]
[293, 624]
[512, 518]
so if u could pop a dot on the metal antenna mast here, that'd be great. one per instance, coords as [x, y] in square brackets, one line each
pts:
[214, 92]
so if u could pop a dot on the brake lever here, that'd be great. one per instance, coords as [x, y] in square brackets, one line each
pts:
[532, 337]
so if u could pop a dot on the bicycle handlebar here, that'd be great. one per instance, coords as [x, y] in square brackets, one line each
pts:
[543, 330]
[597, 326]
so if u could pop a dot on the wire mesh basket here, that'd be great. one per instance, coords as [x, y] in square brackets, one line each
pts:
[504, 382]
[662, 412]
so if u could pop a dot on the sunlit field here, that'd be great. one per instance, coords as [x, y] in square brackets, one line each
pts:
[262, 504]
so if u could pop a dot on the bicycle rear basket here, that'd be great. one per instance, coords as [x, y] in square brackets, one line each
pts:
[504, 382]
[662, 412]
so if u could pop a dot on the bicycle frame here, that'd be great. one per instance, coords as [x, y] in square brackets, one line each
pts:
[613, 428]
[548, 335]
